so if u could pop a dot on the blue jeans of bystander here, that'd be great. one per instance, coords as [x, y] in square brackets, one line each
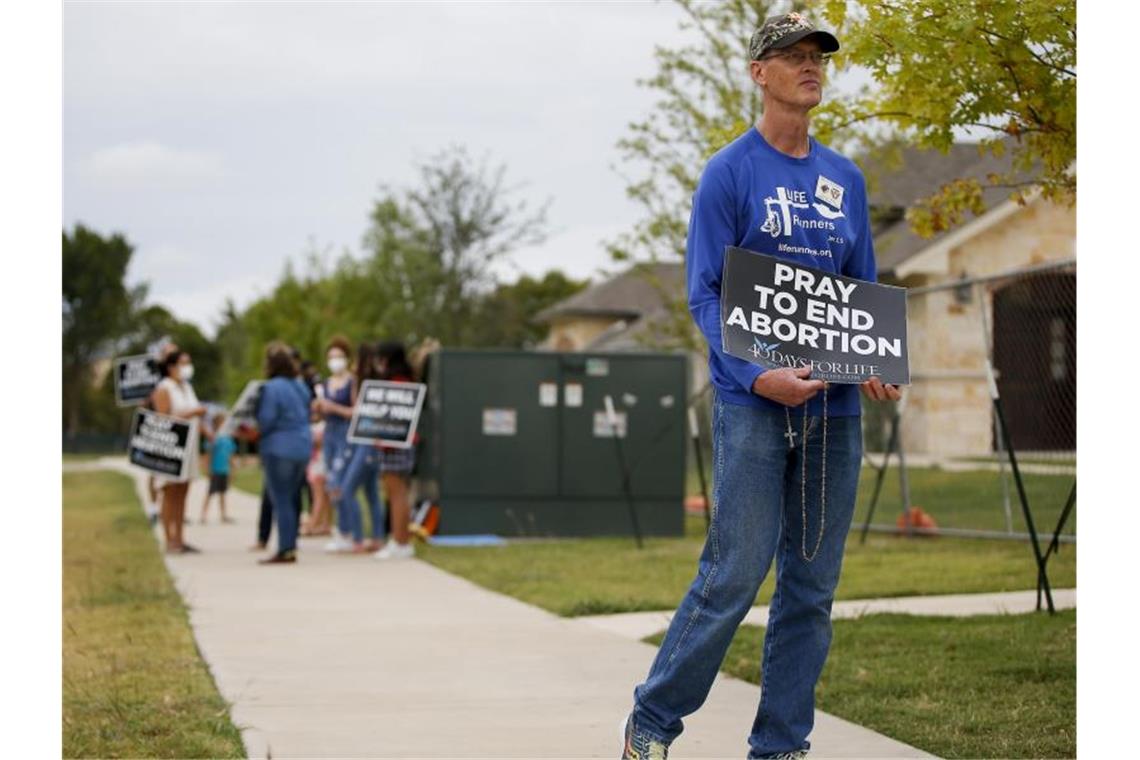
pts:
[361, 468]
[283, 478]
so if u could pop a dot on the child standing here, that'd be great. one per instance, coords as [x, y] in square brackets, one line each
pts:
[222, 450]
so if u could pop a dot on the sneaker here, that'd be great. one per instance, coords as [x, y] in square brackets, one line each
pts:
[637, 745]
[393, 550]
[799, 754]
[339, 545]
[280, 558]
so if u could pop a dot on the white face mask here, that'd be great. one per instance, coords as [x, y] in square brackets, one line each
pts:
[337, 364]
[186, 372]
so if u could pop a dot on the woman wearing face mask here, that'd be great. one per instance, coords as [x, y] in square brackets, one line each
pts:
[174, 396]
[358, 466]
[334, 404]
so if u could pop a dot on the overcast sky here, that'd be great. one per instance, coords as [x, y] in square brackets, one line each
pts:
[222, 139]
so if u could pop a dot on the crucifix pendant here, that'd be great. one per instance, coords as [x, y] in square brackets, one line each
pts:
[791, 435]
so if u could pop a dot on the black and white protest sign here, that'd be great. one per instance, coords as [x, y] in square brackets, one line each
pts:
[163, 445]
[386, 412]
[244, 411]
[776, 313]
[135, 379]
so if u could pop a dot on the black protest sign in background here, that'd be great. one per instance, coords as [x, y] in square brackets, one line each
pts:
[135, 379]
[776, 313]
[386, 412]
[161, 444]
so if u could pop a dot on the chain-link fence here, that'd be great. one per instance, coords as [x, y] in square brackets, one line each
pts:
[944, 447]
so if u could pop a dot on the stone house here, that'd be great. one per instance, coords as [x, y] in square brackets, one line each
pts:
[961, 308]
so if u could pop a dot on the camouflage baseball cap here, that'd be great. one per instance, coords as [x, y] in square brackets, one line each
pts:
[783, 31]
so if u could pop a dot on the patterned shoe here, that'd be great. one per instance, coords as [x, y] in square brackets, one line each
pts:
[637, 745]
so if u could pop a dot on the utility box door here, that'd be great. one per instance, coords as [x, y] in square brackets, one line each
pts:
[648, 394]
[499, 424]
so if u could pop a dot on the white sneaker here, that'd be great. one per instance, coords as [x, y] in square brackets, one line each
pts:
[339, 545]
[393, 550]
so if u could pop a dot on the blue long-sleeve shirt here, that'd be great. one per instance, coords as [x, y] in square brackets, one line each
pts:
[283, 419]
[810, 210]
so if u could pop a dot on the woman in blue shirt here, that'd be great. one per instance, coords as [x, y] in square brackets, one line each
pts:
[283, 419]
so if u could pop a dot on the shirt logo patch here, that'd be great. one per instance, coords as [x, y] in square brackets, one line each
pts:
[831, 193]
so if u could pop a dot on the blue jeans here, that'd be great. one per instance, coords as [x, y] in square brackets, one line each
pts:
[333, 448]
[361, 468]
[757, 516]
[283, 479]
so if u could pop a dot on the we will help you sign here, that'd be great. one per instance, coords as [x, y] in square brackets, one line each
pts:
[775, 313]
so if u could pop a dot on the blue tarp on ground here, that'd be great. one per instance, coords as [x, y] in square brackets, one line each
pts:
[475, 540]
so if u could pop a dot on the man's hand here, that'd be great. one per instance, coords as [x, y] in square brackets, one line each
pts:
[876, 391]
[787, 386]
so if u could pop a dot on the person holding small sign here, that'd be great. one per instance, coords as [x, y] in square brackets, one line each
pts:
[175, 397]
[283, 421]
[783, 491]
[396, 464]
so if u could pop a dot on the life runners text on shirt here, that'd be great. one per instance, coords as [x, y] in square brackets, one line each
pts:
[781, 214]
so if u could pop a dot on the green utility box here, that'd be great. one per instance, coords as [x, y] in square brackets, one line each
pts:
[519, 443]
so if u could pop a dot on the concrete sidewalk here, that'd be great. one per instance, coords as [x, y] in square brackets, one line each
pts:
[638, 625]
[344, 656]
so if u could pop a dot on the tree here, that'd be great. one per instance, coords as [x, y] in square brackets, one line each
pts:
[427, 268]
[96, 309]
[303, 310]
[504, 318]
[150, 323]
[705, 100]
[1003, 70]
[435, 245]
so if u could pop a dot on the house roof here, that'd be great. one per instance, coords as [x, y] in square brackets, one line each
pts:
[629, 295]
[647, 330]
[920, 174]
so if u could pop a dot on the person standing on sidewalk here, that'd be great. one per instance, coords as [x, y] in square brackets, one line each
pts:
[222, 448]
[358, 466]
[174, 396]
[782, 491]
[396, 464]
[283, 419]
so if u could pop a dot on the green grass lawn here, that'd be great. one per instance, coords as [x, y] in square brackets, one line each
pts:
[968, 499]
[247, 477]
[988, 686]
[955, 499]
[134, 684]
[606, 575]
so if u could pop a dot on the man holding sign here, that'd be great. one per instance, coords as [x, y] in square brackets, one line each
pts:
[787, 445]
